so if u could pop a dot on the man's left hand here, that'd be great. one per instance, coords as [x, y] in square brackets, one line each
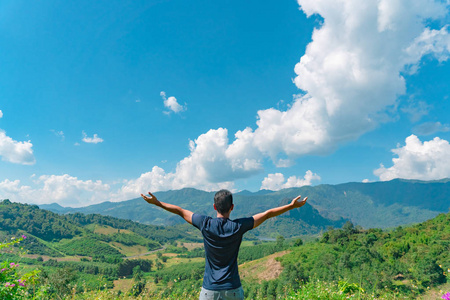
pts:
[298, 202]
[152, 199]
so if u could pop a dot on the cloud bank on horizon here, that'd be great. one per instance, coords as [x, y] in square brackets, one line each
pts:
[350, 76]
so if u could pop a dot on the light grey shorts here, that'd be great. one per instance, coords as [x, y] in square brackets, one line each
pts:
[236, 294]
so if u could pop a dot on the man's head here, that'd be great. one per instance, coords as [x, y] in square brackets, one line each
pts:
[223, 201]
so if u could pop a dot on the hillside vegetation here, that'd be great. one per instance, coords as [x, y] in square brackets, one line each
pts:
[85, 258]
[73, 234]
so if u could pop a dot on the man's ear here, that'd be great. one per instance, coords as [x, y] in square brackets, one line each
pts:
[232, 206]
[214, 206]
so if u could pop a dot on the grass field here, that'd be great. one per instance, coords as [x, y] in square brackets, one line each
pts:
[104, 229]
[191, 246]
[129, 250]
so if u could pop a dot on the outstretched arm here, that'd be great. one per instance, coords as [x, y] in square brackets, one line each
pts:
[185, 214]
[261, 217]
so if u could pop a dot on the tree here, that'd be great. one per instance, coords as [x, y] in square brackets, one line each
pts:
[298, 242]
[139, 284]
[280, 241]
[60, 282]
[137, 273]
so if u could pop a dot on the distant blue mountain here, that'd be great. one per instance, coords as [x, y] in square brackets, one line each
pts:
[377, 204]
[248, 193]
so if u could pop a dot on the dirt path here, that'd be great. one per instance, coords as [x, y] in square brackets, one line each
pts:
[266, 268]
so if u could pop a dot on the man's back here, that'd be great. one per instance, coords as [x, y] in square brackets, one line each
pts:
[222, 238]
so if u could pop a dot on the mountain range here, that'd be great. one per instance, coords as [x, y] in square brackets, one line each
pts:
[376, 204]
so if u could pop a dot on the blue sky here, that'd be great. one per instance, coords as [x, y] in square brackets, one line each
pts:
[104, 100]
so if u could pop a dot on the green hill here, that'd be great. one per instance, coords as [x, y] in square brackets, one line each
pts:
[402, 263]
[74, 234]
[407, 259]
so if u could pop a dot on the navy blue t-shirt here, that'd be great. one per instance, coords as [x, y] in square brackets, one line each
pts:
[222, 238]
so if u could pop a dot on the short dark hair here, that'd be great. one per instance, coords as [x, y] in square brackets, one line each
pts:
[223, 201]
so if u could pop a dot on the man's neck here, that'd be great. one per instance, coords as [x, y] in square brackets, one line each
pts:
[225, 216]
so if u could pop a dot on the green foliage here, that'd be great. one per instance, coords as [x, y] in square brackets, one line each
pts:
[127, 266]
[319, 290]
[35, 246]
[197, 252]
[94, 268]
[41, 223]
[272, 289]
[300, 221]
[261, 250]
[110, 259]
[181, 272]
[174, 249]
[51, 227]
[405, 259]
[87, 247]
[160, 234]
[129, 239]
[60, 282]
[138, 282]
[348, 263]
[14, 283]
[134, 239]
[298, 242]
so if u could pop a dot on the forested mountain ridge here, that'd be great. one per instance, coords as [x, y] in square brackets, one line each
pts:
[46, 229]
[377, 204]
[305, 220]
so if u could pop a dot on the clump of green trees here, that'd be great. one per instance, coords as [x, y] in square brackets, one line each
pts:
[408, 260]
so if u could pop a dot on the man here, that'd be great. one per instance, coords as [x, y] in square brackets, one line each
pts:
[222, 238]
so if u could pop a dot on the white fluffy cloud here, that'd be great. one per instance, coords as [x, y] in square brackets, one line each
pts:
[351, 74]
[13, 189]
[429, 160]
[275, 182]
[158, 180]
[14, 151]
[430, 42]
[212, 164]
[351, 71]
[63, 189]
[172, 104]
[92, 140]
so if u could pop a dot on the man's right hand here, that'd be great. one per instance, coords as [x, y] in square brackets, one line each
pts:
[297, 202]
[152, 199]
[184, 213]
